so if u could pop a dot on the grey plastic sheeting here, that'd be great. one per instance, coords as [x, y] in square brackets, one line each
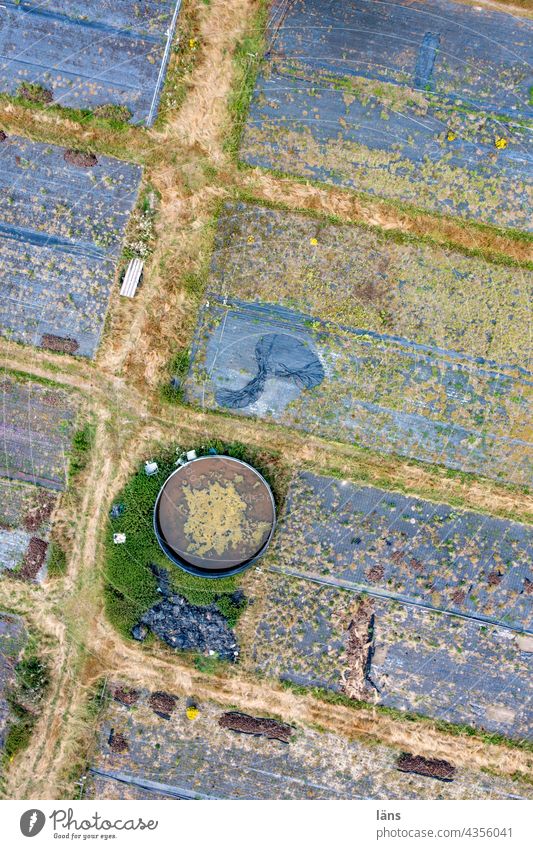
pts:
[441, 666]
[89, 54]
[61, 230]
[383, 392]
[407, 548]
[357, 277]
[309, 117]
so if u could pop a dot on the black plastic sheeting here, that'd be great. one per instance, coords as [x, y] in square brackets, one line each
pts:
[277, 355]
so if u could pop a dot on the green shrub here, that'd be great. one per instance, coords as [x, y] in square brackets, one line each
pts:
[31, 682]
[178, 368]
[18, 736]
[35, 93]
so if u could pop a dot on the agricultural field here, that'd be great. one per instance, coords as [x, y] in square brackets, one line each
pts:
[150, 745]
[113, 59]
[379, 391]
[36, 431]
[417, 660]
[25, 516]
[401, 102]
[409, 549]
[364, 278]
[61, 231]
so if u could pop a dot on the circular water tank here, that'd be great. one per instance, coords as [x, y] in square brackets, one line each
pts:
[214, 516]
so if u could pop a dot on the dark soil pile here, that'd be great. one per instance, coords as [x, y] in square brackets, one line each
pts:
[40, 513]
[79, 157]
[33, 559]
[187, 627]
[429, 767]
[355, 680]
[62, 344]
[375, 573]
[3, 136]
[162, 703]
[126, 696]
[258, 726]
[117, 742]
[458, 596]
[35, 93]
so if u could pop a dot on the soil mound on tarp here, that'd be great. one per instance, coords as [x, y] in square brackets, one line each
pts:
[79, 157]
[62, 344]
[162, 703]
[126, 696]
[117, 742]
[33, 559]
[430, 767]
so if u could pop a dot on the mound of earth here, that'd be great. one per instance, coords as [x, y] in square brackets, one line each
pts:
[62, 344]
[33, 559]
[79, 157]
[430, 767]
[117, 742]
[126, 696]
[162, 703]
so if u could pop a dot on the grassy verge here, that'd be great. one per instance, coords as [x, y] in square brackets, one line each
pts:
[185, 54]
[81, 447]
[248, 57]
[24, 698]
[441, 725]
[57, 561]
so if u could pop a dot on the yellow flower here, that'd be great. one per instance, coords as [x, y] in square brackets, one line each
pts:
[313, 241]
[250, 240]
[192, 712]
[192, 43]
[451, 135]
[500, 143]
